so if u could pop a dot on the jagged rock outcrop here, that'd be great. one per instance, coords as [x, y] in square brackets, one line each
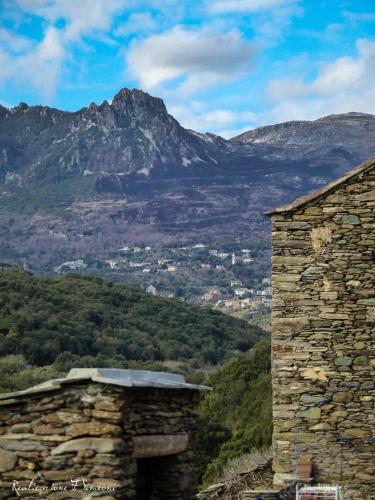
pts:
[134, 133]
[174, 184]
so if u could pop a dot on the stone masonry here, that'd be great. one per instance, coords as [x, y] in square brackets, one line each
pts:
[87, 439]
[323, 334]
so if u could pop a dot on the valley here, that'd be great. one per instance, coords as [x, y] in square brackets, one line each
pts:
[79, 187]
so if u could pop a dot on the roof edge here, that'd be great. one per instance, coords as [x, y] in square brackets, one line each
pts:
[303, 200]
[134, 379]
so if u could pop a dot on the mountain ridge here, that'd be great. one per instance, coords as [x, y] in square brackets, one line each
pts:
[118, 124]
[335, 116]
[301, 138]
[127, 172]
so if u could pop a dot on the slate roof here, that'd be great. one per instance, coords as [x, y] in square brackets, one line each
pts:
[112, 376]
[331, 186]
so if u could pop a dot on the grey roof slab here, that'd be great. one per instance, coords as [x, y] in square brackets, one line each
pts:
[49, 385]
[113, 376]
[132, 378]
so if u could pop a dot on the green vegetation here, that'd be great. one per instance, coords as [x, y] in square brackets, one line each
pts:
[236, 416]
[48, 325]
[263, 320]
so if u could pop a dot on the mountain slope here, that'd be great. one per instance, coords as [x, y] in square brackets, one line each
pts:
[134, 139]
[237, 415]
[341, 139]
[133, 134]
[79, 185]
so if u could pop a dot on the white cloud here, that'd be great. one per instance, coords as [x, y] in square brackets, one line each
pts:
[272, 25]
[199, 58]
[343, 85]
[286, 88]
[41, 63]
[5, 69]
[270, 19]
[13, 42]
[81, 16]
[240, 6]
[340, 74]
[222, 117]
[222, 122]
[138, 22]
[359, 17]
[233, 132]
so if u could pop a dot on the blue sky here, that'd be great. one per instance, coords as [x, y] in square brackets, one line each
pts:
[222, 66]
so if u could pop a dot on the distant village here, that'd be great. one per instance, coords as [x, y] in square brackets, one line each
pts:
[222, 279]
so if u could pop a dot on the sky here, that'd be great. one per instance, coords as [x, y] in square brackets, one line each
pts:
[223, 66]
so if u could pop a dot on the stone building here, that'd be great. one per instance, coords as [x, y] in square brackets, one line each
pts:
[323, 334]
[114, 434]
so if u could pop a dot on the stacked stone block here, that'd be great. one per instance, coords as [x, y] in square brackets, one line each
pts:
[323, 336]
[85, 433]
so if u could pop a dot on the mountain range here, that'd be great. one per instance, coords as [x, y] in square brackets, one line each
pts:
[79, 184]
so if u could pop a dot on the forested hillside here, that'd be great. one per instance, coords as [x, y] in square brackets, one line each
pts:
[236, 416]
[48, 325]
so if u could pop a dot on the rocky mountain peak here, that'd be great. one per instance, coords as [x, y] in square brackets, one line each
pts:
[135, 134]
[21, 107]
[141, 175]
[133, 102]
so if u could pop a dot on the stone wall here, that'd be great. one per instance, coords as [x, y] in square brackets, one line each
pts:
[89, 431]
[323, 337]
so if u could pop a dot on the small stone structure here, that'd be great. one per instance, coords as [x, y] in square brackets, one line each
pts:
[323, 334]
[114, 434]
